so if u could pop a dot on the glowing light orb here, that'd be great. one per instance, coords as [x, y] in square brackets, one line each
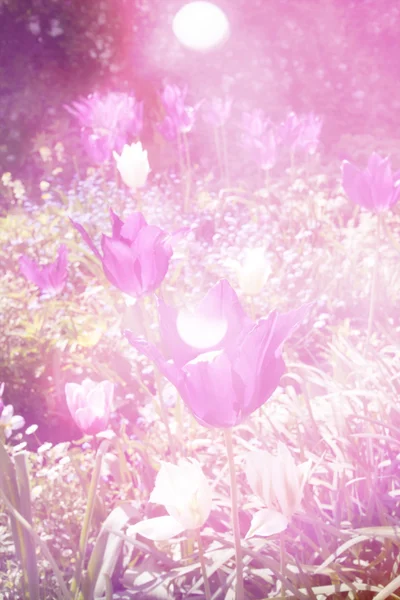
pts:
[200, 332]
[201, 25]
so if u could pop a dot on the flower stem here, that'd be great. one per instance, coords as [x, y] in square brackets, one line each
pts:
[186, 204]
[207, 590]
[218, 151]
[235, 516]
[283, 559]
[373, 284]
[225, 155]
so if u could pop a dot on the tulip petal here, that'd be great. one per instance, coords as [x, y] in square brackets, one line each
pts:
[355, 185]
[86, 238]
[286, 324]
[121, 267]
[267, 522]
[117, 225]
[31, 271]
[256, 364]
[168, 369]
[157, 529]
[285, 478]
[153, 255]
[221, 305]
[257, 474]
[133, 224]
[211, 391]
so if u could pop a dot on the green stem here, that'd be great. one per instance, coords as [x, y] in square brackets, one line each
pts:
[181, 166]
[164, 416]
[235, 515]
[162, 407]
[283, 558]
[218, 151]
[188, 173]
[83, 540]
[207, 590]
[373, 284]
[225, 155]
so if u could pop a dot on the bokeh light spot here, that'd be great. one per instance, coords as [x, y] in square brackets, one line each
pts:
[200, 332]
[201, 26]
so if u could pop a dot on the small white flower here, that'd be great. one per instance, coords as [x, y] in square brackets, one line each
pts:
[10, 422]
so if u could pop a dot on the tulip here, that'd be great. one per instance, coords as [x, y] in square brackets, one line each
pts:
[133, 165]
[279, 484]
[253, 272]
[107, 122]
[90, 404]
[186, 494]
[310, 132]
[259, 138]
[49, 278]
[265, 150]
[136, 257]
[375, 188]
[214, 323]
[179, 118]
[289, 131]
[8, 421]
[254, 123]
[217, 111]
[223, 387]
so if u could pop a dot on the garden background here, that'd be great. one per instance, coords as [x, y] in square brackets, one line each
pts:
[337, 403]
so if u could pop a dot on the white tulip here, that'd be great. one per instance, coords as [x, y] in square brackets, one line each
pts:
[133, 165]
[253, 272]
[185, 492]
[279, 483]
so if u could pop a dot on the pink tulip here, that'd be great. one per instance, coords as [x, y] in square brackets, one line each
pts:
[49, 278]
[90, 404]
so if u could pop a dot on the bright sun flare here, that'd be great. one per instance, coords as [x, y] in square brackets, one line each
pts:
[200, 332]
[201, 25]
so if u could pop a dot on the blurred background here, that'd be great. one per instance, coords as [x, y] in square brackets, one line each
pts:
[335, 57]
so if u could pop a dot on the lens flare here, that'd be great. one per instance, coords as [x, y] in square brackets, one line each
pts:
[200, 332]
[201, 26]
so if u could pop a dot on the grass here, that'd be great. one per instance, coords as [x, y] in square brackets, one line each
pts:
[337, 404]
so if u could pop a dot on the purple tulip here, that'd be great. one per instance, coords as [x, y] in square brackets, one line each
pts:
[224, 386]
[254, 124]
[136, 257]
[49, 278]
[265, 150]
[220, 306]
[179, 118]
[289, 131]
[310, 132]
[375, 188]
[259, 138]
[217, 111]
[108, 122]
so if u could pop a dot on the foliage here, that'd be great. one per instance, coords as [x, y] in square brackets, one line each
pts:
[336, 405]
